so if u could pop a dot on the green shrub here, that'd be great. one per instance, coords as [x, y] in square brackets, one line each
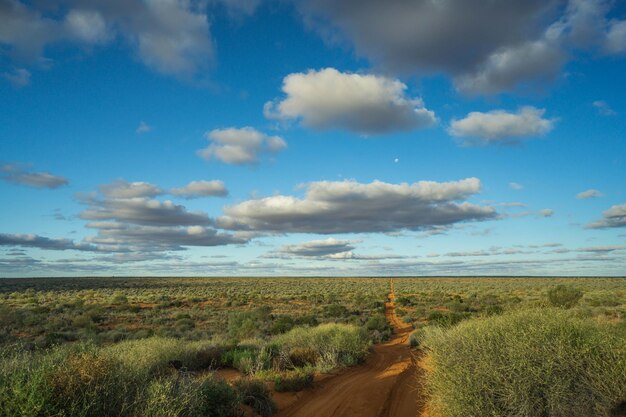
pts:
[255, 394]
[564, 296]
[527, 363]
[336, 344]
[295, 380]
[446, 318]
[301, 357]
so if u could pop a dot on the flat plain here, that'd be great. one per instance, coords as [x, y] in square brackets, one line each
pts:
[432, 346]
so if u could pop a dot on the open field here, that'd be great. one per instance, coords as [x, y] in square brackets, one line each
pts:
[309, 346]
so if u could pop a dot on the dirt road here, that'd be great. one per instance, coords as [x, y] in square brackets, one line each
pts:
[385, 386]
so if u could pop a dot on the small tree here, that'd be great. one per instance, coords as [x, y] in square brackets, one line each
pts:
[564, 296]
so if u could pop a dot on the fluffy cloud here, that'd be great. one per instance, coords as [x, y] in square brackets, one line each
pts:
[603, 108]
[616, 37]
[499, 126]
[613, 217]
[42, 242]
[367, 104]
[197, 189]
[240, 146]
[157, 238]
[128, 218]
[124, 189]
[170, 36]
[546, 212]
[352, 207]
[589, 194]
[19, 77]
[486, 46]
[143, 128]
[18, 175]
[506, 69]
[143, 211]
[316, 248]
[449, 36]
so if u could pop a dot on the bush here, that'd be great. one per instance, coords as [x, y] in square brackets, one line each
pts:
[564, 296]
[446, 318]
[301, 357]
[336, 344]
[526, 363]
[292, 381]
[69, 381]
[255, 394]
[86, 381]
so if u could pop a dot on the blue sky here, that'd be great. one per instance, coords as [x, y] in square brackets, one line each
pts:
[248, 137]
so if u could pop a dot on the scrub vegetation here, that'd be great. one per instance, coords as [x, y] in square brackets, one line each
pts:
[156, 347]
[519, 347]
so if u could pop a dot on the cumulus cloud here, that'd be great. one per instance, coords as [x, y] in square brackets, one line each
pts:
[501, 127]
[316, 248]
[615, 42]
[19, 175]
[143, 211]
[603, 108]
[486, 46]
[86, 26]
[613, 217]
[143, 128]
[128, 219]
[240, 146]
[170, 36]
[18, 77]
[366, 104]
[124, 189]
[352, 207]
[42, 242]
[546, 212]
[589, 194]
[157, 238]
[197, 189]
[504, 70]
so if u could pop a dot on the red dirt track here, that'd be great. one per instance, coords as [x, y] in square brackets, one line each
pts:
[385, 386]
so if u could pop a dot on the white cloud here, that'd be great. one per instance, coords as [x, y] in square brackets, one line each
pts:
[240, 146]
[603, 108]
[18, 175]
[506, 69]
[499, 126]
[367, 104]
[170, 36]
[143, 128]
[546, 212]
[18, 77]
[316, 248]
[125, 189]
[613, 217]
[87, 26]
[143, 211]
[515, 186]
[197, 189]
[487, 47]
[616, 37]
[352, 207]
[42, 242]
[589, 194]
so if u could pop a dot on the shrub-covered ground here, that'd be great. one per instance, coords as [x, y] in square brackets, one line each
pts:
[46, 312]
[150, 346]
[448, 301]
[519, 347]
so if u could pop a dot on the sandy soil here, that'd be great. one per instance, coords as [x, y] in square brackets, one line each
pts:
[385, 386]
